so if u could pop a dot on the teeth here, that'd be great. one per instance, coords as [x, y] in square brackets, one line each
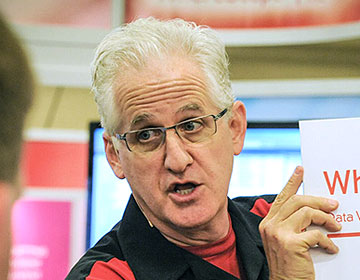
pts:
[183, 192]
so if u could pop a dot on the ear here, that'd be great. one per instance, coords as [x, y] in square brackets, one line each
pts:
[112, 156]
[237, 125]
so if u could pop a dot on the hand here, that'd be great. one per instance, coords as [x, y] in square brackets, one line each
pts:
[283, 232]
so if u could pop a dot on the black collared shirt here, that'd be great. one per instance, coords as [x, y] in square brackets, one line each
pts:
[152, 257]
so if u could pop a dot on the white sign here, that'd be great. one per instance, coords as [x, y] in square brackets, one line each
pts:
[330, 151]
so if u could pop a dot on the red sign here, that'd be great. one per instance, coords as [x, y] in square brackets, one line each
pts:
[55, 164]
[249, 14]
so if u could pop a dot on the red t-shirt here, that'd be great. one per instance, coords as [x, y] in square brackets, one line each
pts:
[221, 253]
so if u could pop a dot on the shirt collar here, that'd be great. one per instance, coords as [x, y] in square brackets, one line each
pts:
[248, 240]
[151, 256]
[148, 253]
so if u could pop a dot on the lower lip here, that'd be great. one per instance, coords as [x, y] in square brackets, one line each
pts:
[185, 198]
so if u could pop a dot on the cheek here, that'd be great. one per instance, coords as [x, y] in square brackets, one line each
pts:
[217, 160]
[141, 172]
[222, 159]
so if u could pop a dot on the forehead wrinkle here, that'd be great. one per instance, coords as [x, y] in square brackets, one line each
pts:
[142, 95]
[158, 89]
[146, 106]
[160, 97]
[177, 81]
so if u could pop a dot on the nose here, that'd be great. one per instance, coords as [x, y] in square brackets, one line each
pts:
[177, 157]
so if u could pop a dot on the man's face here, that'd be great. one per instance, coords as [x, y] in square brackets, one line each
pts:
[169, 91]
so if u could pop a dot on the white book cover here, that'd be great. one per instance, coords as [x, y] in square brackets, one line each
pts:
[330, 152]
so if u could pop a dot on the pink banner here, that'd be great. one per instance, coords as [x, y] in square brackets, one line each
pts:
[41, 240]
[249, 13]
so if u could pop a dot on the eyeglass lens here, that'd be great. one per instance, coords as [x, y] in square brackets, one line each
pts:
[193, 131]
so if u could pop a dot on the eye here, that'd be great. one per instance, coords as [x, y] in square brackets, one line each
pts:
[147, 135]
[144, 135]
[191, 126]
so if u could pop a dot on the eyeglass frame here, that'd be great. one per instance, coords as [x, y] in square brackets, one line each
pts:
[164, 129]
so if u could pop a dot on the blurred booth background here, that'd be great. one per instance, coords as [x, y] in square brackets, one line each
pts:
[289, 60]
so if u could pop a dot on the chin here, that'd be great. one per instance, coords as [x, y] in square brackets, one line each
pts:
[192, 221]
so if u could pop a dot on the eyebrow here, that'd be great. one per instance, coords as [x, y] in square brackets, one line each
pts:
[145, 117]
[141, 118]
[190, 107]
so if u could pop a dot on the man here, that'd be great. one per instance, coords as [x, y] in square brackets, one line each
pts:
[171, 129]
[16, 89]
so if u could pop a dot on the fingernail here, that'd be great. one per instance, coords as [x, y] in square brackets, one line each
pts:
[332, 202]
[297, 170]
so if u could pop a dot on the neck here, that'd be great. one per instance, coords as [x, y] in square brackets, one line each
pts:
[204, 233]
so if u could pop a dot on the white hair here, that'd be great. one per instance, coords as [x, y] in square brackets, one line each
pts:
[132, 44]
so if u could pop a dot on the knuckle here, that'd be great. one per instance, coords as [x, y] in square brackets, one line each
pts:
[306, 211]
[292, 181]
[269, 230]
[262, 228]
[318, 234]
[282, 196]
[294, 199]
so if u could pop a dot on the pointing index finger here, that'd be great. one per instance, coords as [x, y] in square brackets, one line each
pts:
[289, 190]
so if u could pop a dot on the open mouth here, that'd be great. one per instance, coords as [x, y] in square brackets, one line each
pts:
[184, 189]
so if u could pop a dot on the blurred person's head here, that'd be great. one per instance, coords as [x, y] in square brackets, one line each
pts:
[16, 90]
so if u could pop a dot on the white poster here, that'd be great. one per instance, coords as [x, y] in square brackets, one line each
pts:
[330, 151]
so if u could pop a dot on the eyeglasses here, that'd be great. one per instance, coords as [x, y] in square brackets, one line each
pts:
[193, 130]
